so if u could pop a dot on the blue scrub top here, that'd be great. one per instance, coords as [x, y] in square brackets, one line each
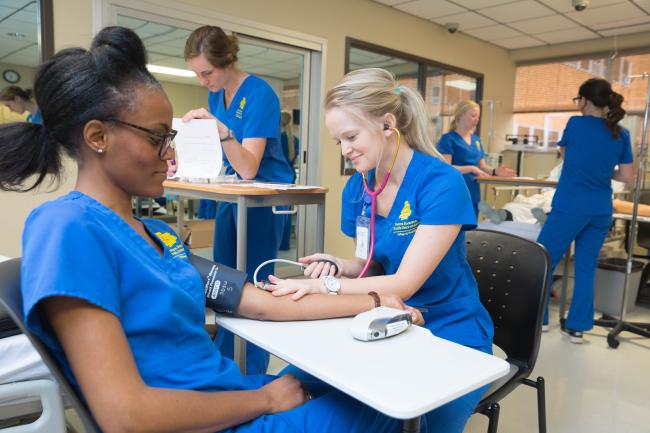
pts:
[432, 193]
[34, 118]
[591, 153]
[464, 153]
[254, 112]
[77, 247]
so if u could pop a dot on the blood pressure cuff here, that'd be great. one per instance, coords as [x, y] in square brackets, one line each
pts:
[223, 285]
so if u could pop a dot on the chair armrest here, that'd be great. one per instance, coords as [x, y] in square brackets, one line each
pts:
[52, 419]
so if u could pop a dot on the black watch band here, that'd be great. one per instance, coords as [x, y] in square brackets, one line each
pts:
[227, 137]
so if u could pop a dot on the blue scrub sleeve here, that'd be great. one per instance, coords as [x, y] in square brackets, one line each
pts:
[566, 135]
[262, 115]
[445, 200]
[54, 243]
[626, 157]
[351, 205]
[445, 145]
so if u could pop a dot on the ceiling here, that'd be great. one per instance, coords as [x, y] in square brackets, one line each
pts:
[164, 43]
[531, 23]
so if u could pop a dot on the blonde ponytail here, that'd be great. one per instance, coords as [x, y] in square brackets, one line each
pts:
[374, 93]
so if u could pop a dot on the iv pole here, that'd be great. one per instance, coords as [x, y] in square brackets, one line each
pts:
[621, 325]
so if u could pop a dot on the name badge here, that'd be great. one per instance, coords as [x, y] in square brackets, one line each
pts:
[362, 237]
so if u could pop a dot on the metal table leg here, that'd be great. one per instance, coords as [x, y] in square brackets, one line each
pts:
[411, 425]
[320, 223]
[242, 225]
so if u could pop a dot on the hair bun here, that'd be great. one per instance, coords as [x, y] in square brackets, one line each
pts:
[121, 45]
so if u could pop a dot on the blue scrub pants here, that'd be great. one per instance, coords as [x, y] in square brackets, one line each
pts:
[589, 234]
[474, 190]
[263, 240]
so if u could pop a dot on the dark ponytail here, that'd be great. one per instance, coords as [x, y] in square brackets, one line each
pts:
[10, 92]
[600, 93]
[72, 88]
[27, 150]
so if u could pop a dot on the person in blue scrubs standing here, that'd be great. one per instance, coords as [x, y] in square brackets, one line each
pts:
[592, 146]
[464, 150]
[115, 298]
[421, 214]
[20, 101]
[247, 111]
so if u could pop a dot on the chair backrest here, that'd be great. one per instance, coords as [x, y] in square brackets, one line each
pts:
[513, 276]
[11, 300]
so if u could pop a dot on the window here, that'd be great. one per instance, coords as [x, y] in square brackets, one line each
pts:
[442, 86]
[543, 92]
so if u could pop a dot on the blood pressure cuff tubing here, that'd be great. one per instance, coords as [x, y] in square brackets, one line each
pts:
[223, 285]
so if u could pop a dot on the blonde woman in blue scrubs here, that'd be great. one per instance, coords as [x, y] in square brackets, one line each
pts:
[421, 215]
[464, 150]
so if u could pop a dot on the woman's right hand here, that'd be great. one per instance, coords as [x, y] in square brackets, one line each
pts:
[320, 265]
[478, 172]
[284, 393]
[202, 113]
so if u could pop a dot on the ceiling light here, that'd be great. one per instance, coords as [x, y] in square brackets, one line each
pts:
[170, 71]
[461, 84]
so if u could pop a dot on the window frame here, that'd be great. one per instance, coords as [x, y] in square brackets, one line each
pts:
[422, 62]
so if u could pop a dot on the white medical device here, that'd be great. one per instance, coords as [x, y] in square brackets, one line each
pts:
[380, 323]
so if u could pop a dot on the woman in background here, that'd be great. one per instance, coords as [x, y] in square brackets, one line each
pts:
[464, 150]
[592, 146]
[247, 112]
[20, 101]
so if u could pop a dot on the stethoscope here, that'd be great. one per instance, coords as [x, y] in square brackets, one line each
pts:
[373, 210]
[373, 200]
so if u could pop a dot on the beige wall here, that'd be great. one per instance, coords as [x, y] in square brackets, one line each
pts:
[72, 26]
[185, 97]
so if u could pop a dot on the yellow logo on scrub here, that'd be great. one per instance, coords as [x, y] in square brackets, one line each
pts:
[478, 144]
[406, 211]
[167, 238]
[240, 111]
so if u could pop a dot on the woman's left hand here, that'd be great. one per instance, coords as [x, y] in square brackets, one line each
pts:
[299, 288]
[503, 171]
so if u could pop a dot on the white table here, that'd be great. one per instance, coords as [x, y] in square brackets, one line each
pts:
[403, 377]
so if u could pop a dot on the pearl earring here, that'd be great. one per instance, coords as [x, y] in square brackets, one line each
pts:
[100, 150]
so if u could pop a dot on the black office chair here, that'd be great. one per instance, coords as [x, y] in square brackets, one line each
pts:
[643, 240]
[11, 300]
[513, 276]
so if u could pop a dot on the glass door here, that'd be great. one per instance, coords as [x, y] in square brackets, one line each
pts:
[285, 68]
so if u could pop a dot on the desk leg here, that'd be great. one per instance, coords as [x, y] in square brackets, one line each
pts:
[411, 425]
[320, 223]
[242, 228]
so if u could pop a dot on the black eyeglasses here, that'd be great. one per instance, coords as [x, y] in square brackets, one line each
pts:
[165, 140]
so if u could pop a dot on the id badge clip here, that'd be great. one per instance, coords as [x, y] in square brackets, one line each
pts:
[362, 237]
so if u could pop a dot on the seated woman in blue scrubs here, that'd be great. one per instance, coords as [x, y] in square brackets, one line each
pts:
[115, 298]
[421, 214]
[592, 146]
[20, 101]
[464, 150]
[247, 111]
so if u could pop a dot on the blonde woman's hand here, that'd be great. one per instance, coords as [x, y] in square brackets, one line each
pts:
[202, 113]
[320, 265]
[504, 171]
[299, 288]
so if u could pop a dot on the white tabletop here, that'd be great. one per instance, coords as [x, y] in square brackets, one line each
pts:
[403, 377]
